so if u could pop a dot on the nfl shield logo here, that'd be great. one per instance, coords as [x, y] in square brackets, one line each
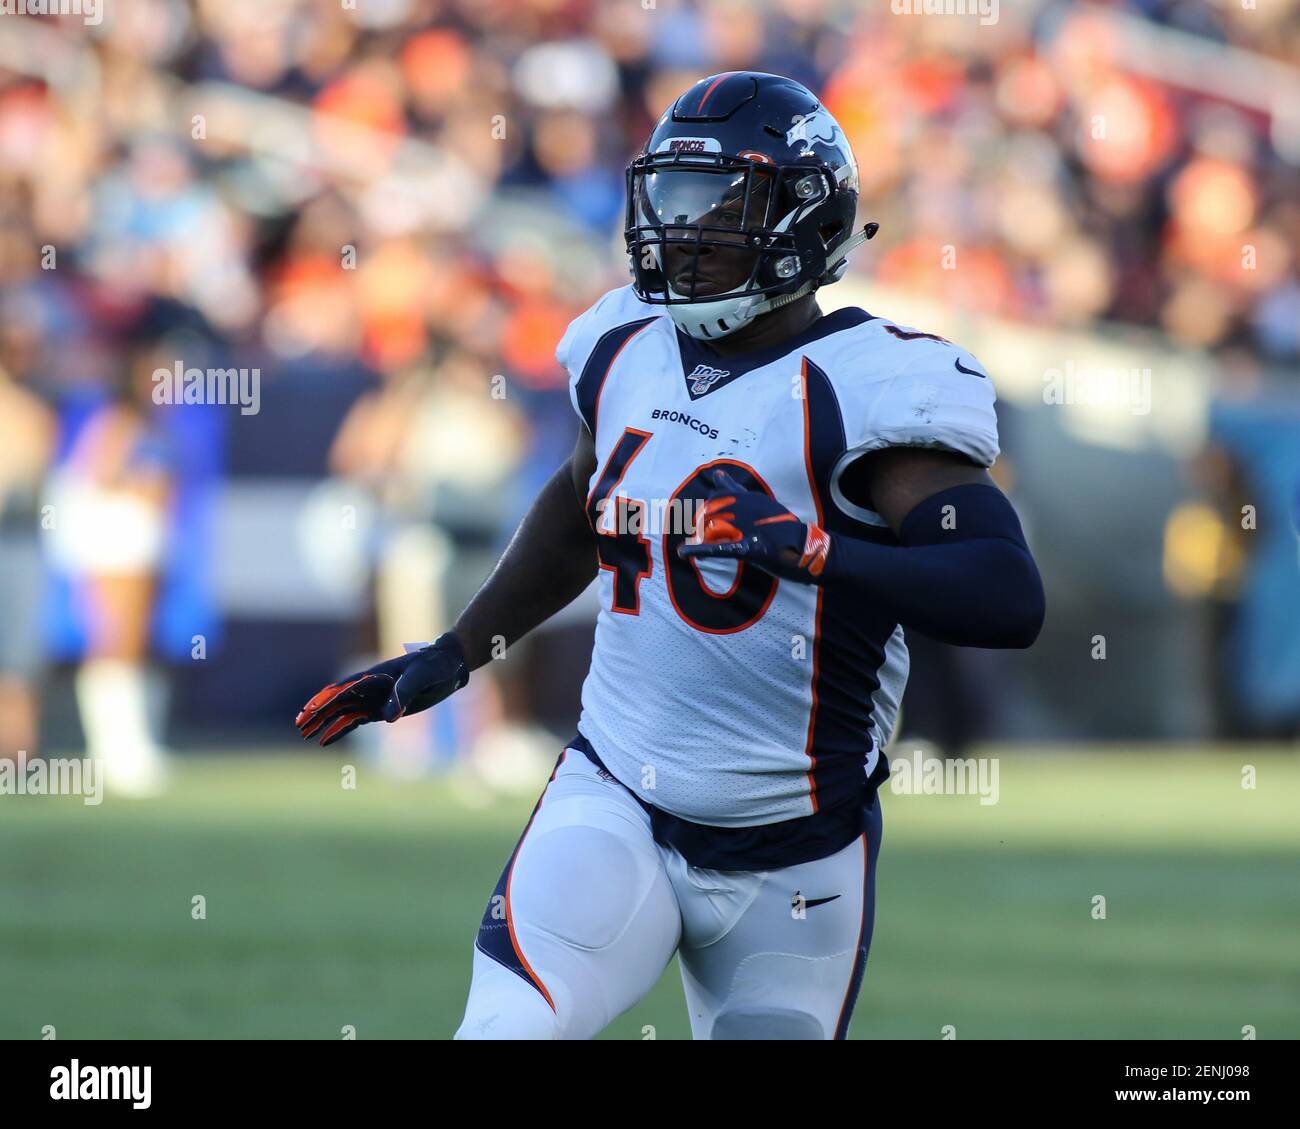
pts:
[704, 378]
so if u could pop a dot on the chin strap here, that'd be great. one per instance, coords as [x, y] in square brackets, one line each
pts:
[785, 299]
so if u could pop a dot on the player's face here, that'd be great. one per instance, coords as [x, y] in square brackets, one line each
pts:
[716, 200]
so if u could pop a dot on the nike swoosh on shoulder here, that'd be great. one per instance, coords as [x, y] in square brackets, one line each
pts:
[970, 371]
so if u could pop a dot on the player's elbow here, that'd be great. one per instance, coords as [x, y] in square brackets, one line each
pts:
[1007, 612]
[1026, 605]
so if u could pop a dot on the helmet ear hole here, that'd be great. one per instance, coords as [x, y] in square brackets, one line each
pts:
[830, 234]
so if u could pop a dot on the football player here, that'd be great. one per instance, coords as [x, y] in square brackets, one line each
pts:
[770, 496]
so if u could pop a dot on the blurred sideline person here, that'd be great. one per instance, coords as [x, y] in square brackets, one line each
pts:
[769, 495]
[27, 433]
[110, 498]
[438, 453]
[1249, 473]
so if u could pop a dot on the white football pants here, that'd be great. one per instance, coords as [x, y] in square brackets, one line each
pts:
[590, 910]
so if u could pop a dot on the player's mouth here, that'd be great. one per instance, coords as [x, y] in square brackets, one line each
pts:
[703, 283]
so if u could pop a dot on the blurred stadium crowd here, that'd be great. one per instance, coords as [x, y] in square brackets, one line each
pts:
[392, 208]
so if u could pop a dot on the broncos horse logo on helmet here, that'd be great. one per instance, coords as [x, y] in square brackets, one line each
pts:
[817, 128]
[744, 199]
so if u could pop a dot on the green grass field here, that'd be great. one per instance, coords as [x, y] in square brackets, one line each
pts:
[328, 907]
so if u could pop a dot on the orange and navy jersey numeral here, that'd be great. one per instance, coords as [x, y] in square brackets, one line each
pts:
[619, 522]
[912, 335]
[748, 598]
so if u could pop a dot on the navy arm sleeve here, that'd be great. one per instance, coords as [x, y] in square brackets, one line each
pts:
[962, 575]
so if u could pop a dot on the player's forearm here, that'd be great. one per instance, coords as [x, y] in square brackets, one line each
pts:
[550, 560]
[963, 574]
[979, 593]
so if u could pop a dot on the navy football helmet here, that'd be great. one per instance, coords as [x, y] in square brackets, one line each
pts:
[744, 200]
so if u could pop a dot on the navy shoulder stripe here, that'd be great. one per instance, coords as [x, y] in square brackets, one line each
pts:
[602, 358]
[851, 636]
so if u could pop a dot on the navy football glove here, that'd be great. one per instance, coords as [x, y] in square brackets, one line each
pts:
[753, 526]
[386, 691]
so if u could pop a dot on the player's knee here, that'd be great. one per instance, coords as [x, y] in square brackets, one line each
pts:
[580, 885]
[504, 1006]
[766, 1023]
[509, 1023]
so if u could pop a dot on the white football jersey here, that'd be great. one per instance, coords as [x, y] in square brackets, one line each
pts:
[717, 692]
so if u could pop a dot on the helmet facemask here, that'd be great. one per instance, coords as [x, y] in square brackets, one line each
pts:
[714, 238]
